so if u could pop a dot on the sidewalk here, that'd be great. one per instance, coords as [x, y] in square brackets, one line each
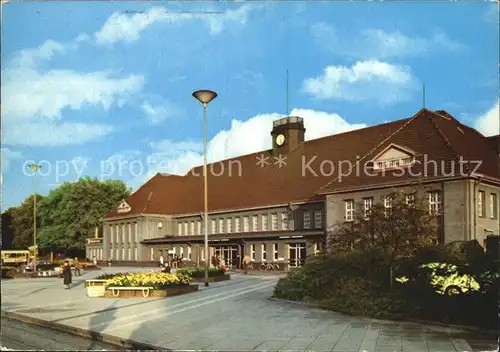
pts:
[229, 315]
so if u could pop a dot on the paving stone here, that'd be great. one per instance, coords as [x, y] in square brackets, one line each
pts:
[323, 343]
[298, 344]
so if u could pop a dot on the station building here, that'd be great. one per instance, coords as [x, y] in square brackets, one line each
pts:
[280, 205]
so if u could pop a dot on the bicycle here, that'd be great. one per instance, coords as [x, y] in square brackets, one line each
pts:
[268, 267]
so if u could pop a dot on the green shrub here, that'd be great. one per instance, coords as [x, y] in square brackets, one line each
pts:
[199, 273]
[109, 276]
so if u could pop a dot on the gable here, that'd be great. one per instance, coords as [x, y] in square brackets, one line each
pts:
[393, 156]
[123, 207]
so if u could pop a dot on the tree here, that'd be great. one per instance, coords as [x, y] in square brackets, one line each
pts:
[395, 232]
[21, 223]
[7, 232]
[71, 212]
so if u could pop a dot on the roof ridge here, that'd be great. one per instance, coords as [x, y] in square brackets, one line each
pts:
[373, 149]
[445, 138]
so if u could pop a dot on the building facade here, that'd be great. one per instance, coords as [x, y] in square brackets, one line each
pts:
[281, 205]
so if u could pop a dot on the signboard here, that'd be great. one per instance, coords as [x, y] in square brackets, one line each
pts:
[94, 240]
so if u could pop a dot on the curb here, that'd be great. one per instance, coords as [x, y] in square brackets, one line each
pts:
[409, 320]
[88, 334]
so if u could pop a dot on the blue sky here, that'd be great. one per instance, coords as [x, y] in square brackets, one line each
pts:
[90, 86]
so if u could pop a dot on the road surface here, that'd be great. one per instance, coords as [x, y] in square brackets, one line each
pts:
[21, 336]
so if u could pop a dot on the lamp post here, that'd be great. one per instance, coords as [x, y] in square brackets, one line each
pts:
[205, 97]
[34, 168]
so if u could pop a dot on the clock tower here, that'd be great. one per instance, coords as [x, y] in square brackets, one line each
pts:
[288, 133]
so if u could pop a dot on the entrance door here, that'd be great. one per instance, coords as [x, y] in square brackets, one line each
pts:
[297, 254]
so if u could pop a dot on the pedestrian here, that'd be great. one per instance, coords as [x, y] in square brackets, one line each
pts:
[109, 261]
[246, 261]
[95, 260]
[77, 267]
[66, 274]
[162, 261]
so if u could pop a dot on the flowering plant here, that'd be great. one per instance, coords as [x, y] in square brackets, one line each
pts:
[155, 280]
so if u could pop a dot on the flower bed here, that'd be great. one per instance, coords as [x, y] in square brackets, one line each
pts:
[198, 274]
[154, 284]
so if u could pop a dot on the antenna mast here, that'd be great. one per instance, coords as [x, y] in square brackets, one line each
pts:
[423, 95]
[286, 92]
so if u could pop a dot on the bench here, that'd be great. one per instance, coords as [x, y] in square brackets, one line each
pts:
[116, 290]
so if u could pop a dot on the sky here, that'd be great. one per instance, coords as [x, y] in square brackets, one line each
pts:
[104, 88]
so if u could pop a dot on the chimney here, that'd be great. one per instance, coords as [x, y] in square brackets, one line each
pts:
[288, 133]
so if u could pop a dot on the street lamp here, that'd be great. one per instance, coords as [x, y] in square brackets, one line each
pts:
[205, 97]
[34, 168]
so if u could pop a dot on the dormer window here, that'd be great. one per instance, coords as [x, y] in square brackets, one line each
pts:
[124, 207]
[393, 156]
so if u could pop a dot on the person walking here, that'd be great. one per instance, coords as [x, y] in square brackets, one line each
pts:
[95, 260]
[77, 267]
[66, 274]
[246, 262]
[162, 261]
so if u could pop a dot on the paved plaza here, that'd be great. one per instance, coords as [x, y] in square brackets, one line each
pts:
[229, 315]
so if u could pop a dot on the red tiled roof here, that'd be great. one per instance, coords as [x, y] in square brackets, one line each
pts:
[435, 134]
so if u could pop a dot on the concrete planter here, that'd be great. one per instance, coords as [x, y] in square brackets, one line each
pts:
[134, 293]
[213, 278]
[94, 282]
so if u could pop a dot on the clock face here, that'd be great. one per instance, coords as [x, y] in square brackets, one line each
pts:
[280, 139]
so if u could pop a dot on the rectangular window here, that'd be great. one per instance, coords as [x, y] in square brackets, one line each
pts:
[387, 206]
[481, 204]
[274, 222]
[198, 227]
[221, 225]
[135, 234]
[265, 221]
[129, 254]
[190, 256]
[214, 226]
[186, 230]
[318, 219]
[368, 204]
[191, 228]
[117, 235]
[229, 225]
[123, 234]
[307, 219]
[246, 224]
[410, 199]
[203, 254]
[263, 252]
[111, 235]
[493, 206]
[349, 210]
[275, 251]
[434, 202]
[123, 254]
[181, 251]
[284, 221]
[252, 251]
[255, 223]
[135, 254]
[316, 248]
[237, 224]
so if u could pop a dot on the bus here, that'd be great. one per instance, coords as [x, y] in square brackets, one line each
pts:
[16, 257]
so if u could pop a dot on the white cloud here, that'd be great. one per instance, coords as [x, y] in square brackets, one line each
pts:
[28, 93]
[365, 80]
[33, 99]
[489, 123]
[156, 113]
[244, 137]
[128, 27]
[379, 44]
[7, 157]
[52, 133]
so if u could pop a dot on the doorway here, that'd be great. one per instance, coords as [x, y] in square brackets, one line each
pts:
[230, 254]
[297, 254]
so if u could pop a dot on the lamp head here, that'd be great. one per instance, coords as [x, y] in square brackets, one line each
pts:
[204, 96]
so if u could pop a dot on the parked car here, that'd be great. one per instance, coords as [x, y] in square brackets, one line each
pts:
[447, 279]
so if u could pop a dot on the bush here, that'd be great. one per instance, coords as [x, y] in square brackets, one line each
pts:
[199, 273]
[359, 283]
[109, 276]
